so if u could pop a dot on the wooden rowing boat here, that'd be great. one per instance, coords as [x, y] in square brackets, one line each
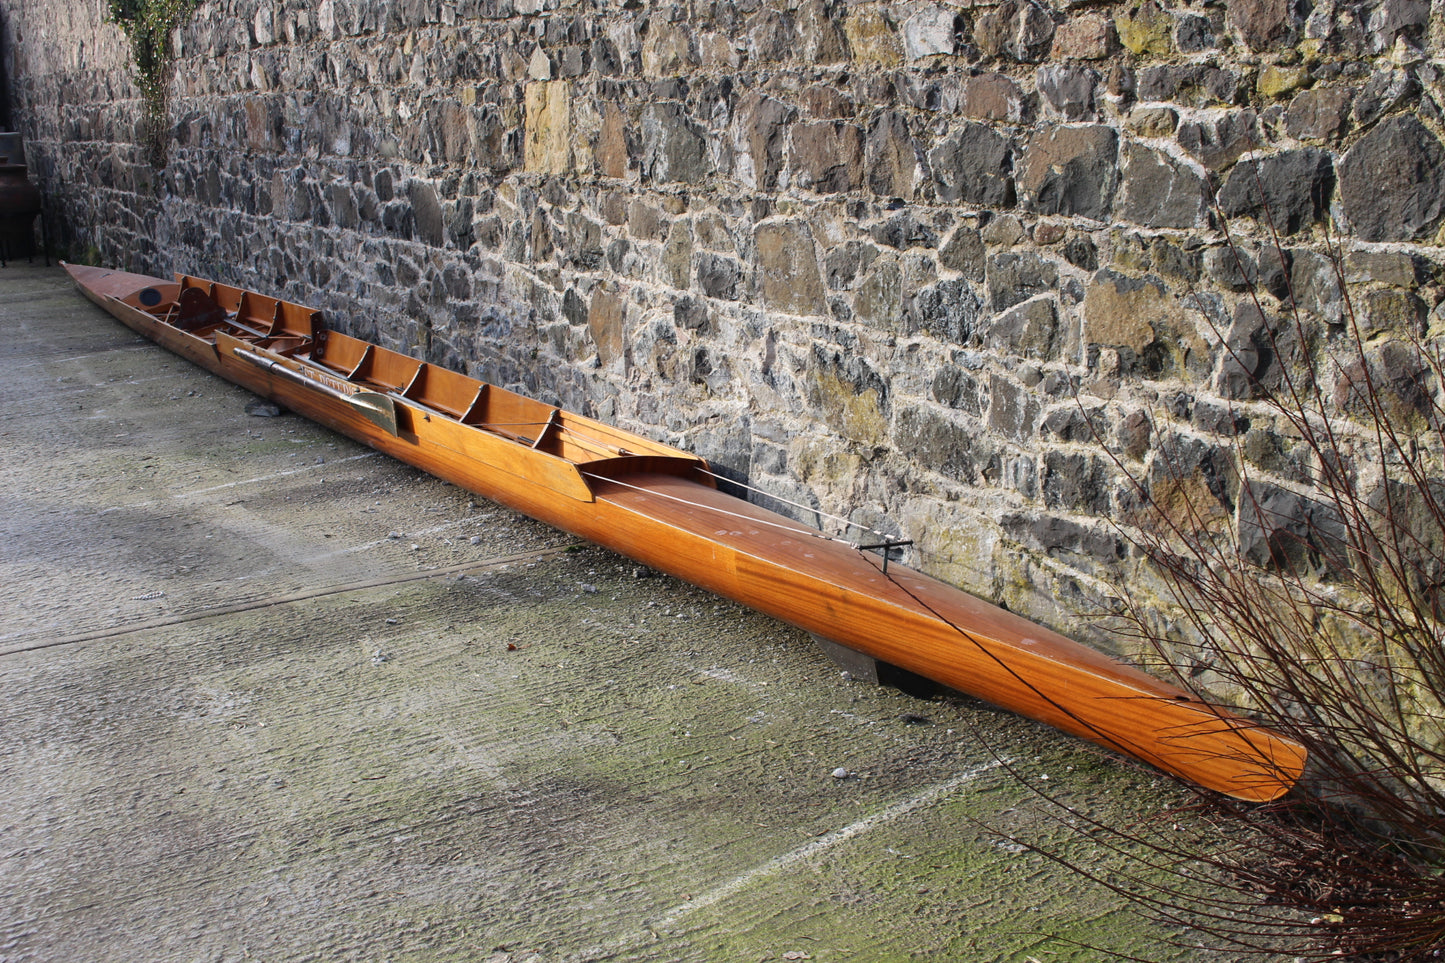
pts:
[662, 507]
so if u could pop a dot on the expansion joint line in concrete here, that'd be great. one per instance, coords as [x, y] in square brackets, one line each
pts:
[279, 600]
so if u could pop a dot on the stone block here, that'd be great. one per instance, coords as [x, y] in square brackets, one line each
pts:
[615, 152]
[788, 269]
[848, 396]
[427, 212]
[1028, 330]
[872, 37]
[1067, 91]
[1015, 277]
[1290, 189]
[1160, 191]
[1391, 182]
[1126, 312]
[547, 141]
[718, 276]
[606, 323]
[955, 387]
[929, 32]
[974, 165]
[762, 130]
[1218, 140]
[1087, 36]
[1013, 410]
[1264, 25]
[963, 252]
[1319, 114]
[891, 156]
[947, 310]
[827, 156]
[677, 256]
[1017, 30]
[1189, 85]
[674, 147]
[1070, 171]
[1146, 30]
[938, 441]
[993, 97]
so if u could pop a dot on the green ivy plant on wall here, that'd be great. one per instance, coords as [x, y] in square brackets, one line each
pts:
[150, 24]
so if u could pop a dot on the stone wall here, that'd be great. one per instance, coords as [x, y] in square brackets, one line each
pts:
[953, 270]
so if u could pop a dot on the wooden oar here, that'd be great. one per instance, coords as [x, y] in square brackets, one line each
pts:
[376, 407]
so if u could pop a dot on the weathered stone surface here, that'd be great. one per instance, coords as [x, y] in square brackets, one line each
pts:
[1074, 481]
[1390, 182]
[718, 276]
[974, 165]
[1399, 313]
[606, 322]
[1290, 190]
[1221, 139]
[1013, 411]
[1315, 285]
[849, 395]
[548, 144]
[1067, 91]
[1153, 121]
[1386, 91]
[948, 310]
[1259, 352]
[427, 211]
[993, 97]
[615, 152]
[872, 37]
[1015, 277]
[674, 147]
[762, 134]
[880, 296]
[1124, 312]
[1319, 114]
[1394, 20]
[1282, 529]
[1193, 34]
[1159, 191]
[668, 50]
[827, 157]
[1146, 30]
[1027, 330]
[955, 387]
[1070, 170]
[1088, 36]
[1190, 85]
[1018, 30]
[963, 252]
[1055, 536]
[788, 268]
[1264, 24]
[892, 157]
[1276, 81]
[903, 231]
[938, 441]
[677, 256]
[929, 32]
[822, 39]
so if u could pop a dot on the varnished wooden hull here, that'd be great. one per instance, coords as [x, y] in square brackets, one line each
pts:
[659, 506]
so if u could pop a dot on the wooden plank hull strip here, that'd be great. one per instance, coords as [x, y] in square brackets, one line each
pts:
[660, 506]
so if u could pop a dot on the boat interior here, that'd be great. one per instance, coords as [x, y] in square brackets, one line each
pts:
[202, 308]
